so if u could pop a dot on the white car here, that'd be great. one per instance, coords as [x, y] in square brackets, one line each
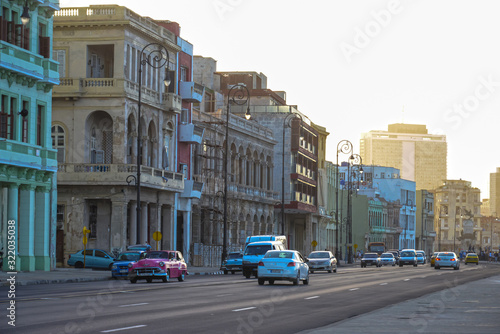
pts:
[388, 259]
[283, 265]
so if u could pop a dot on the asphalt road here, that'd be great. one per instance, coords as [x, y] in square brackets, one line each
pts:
[223, 304]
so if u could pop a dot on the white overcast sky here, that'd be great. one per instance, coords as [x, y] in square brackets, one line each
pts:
[354, 66]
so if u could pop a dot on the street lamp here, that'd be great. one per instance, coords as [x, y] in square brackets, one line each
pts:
[239, 95]
[156, 58]
[345, 147]
[354, 159]
[286, 123]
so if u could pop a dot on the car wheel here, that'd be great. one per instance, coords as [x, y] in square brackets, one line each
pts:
[79, 264]
[330, 270]
[415, 265]
[247, 274]
[166, 278]
[149, 280]
[110, 266]
[393, 264]
[306, 281]
[271, 281]
[477, 263]
[225, 272]
[261, 281]
[232, 272]
[312, 271]
[335, 270]
[297, 279]
[182, 276]
[465, 263]
[436, 267]
[400, 265]
[133, 280]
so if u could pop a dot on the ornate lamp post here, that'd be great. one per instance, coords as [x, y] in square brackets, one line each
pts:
[156, 58]
[286, 123]
[238, 94]
[354, 159]
[345, 147]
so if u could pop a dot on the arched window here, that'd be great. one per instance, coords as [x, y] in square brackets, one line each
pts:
[58, 143]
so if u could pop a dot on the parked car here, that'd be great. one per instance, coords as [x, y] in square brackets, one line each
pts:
[388, 259]
[433, 258]
[370, 259]
[288, 265]
[472, 258]
[447, 259]
[322, 260]
[408, 256]
[233, 263]
[254, 252]
[421, 257]
[140, 247]
[394, 252]
[119, 269]
[164, 265]
[94, 258]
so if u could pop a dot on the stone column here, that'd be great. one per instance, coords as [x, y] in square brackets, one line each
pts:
[308, 236]
[118, 229]
[133, 223]
[12, 217]
[144, 223]
[42, 228]
[26, 231]
[166, 228]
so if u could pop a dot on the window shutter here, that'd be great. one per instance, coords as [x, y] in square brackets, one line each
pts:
[45, 46]
[26, 37]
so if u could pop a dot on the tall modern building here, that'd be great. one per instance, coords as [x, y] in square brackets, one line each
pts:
[420, 156]
[495, 193]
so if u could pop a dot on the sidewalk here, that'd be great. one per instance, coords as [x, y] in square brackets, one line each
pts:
[71, 275]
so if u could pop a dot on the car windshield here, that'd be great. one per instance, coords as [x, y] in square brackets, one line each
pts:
[387, 255]
[278, 255]
[235, 256]
[128, 257]
[319, 255]
[257, 249]
[157, 255]
[471, 255]
[403, 254]
[446, 255]
[420, 255]
[371, 255]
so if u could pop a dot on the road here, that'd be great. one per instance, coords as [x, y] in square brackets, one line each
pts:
[224, 304]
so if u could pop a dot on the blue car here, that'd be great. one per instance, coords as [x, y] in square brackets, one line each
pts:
[94, 258]
[120, 266]
[233, 263]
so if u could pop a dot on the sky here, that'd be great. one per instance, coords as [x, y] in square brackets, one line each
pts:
[356, 66]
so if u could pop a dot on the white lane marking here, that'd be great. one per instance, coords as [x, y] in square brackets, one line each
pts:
[133, 305]
[244, 309]
[354, 289]
[49, 298]
[122, 329]
[383, 283]
[227, 294]
[313, 297]
[407, 279]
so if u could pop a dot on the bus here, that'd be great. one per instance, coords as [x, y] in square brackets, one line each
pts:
[376, 247]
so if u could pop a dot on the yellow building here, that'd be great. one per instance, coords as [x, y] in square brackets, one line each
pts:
[420, 156]
[495, 193]
[457, 216]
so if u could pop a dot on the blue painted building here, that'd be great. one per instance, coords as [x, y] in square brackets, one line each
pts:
[28, 164]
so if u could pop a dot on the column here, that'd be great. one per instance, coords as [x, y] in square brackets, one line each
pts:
[118, 229]
[26, 226]
[144, 223]
[308, 236]
[133, 223]
[42, 228]
[12, 210]
[187, 235]
[166, 229]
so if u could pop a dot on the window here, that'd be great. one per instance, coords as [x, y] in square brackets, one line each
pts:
[14, 31]
[39, 128]
[184, 74]
[6, 119]
[60, 57]
[24, 123]
[58, 143]
[43, 41]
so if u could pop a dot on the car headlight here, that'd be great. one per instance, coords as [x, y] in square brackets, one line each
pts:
[161, 264]
[130, 265]
[114, 266]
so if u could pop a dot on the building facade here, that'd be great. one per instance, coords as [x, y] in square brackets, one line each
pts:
[495, 193]
[420, 156]
[108, 88]
[457, 221]
[424, 232]
[28, 165]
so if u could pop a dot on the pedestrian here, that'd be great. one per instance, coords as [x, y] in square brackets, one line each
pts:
[496, 256]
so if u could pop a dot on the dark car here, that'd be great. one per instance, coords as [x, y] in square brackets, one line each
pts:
[370, 259]
[233, 263]
[120, 266]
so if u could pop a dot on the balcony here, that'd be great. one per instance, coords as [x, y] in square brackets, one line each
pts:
[27, 155]
[191, 133]
[116, 174]
[192, 189]
[191, 92]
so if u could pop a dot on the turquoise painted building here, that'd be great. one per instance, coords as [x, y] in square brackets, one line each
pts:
[28, 164]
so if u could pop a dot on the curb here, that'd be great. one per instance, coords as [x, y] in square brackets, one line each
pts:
[55, 281]
[207, 273]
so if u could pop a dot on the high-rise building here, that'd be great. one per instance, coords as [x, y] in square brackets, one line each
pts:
[495, 193]
[420, 156]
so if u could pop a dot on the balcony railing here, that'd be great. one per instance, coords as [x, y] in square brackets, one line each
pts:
[192, 189]
[191, 133]
[190, 91]
[116, 174]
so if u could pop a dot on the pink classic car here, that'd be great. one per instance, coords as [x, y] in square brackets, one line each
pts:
[164, 265]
